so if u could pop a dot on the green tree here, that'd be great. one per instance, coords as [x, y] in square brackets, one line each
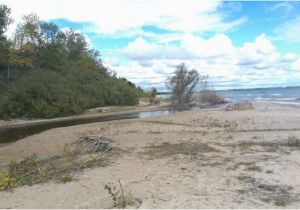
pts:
[54, 73]
[5, 21]
[51, 49]
[26, 42]
[152, 95]
[76, 44]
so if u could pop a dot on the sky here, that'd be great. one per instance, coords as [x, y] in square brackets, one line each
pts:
[239, 44]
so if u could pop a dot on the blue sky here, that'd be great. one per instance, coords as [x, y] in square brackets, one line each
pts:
[240, 44]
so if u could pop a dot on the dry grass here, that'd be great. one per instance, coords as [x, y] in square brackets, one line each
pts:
[280, 195]
[165, 122]
[247, 145]
[292, 141]
[165, 150]
[32, 170]
[240, 106]
[254, 168]
[211, 97]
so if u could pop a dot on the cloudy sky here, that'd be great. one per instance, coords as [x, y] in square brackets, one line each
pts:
[240, 44]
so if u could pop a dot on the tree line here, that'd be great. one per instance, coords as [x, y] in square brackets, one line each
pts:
[46, 72]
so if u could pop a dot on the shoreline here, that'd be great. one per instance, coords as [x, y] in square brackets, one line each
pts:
[7, 124]
[205, 158]
[14, 123]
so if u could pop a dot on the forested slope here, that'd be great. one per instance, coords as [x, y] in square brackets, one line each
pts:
[46, 72]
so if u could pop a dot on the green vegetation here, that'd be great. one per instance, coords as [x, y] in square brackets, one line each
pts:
[45, 72]
[119, 197]
[65, 179]
[149, 96]
[281, 201]
[254, 168]
[31, 171]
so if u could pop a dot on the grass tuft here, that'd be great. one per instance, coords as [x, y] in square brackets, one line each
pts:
[65, 179]
[254, 168]
[164, 150]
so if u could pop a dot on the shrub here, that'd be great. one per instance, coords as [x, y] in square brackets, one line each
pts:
[6, 182]
[211, 97]
[292, 141]
[65, 179]
[120, 198]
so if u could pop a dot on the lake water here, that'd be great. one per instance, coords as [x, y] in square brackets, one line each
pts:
[289, 95]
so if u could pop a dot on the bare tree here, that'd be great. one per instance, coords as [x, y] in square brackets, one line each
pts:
[207, 95]
[182, 86]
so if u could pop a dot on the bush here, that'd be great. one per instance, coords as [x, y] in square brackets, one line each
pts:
[211, 97]
[6, 182]
[40, 95]
[47, 94]
[65, 179]
[293, 141]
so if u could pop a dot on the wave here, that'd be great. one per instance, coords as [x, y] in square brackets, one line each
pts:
[287, 103]
[275, 99]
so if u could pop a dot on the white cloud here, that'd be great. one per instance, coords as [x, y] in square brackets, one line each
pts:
[149, 59]
[219, 45]
[128, 16]
[254, 64]
[289, 31]
[296, 65]
[259, 52]
[190, 47]
[140, 49]
[289, 57]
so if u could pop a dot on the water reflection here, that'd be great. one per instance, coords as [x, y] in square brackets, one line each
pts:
[19, 132]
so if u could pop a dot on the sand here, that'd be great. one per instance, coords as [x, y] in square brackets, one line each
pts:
[194, 159]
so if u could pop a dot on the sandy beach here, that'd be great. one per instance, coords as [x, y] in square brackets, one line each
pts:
[207, 158]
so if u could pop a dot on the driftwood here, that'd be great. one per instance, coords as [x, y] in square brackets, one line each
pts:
[93, 144]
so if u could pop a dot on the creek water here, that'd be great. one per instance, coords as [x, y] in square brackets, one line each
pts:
[8, 135]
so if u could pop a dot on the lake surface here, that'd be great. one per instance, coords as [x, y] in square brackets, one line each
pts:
[287, 95]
